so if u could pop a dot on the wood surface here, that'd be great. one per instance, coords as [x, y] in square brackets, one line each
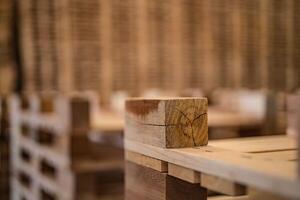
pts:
[169, 123]
[146, 183]
[224, 197]
[256, 144]
[47, 148]
[232, 165]
[298, 139]
[256, 194]
[113, 122]
[222, 186]
[183, 173]
[146, 161]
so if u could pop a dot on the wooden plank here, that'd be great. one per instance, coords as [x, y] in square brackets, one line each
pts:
[288, 155]
[170, 123]
[146, 161]
[106, 51]
[146, 183]
[256, 144]
[298, 138]
[183, 173]
[221, 197]
[257, 194]
[221, 185]
[230, 165]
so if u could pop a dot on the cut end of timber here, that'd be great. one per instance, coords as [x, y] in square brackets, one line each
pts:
[167, 122]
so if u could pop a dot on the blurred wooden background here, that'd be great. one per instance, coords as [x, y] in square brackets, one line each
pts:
[134, 45]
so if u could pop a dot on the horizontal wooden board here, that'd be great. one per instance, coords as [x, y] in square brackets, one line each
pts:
[183, 173]
[256, 144]
[239, 167]
[146, 161]
[221, 185]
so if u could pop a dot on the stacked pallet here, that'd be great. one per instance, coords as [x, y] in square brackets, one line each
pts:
[4, 151]
[167, 156]
[171, 45]
[6, 50]
[52, 155]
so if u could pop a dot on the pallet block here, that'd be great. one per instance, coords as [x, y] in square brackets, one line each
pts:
[52, 153]
[146, 183]
[168, 123]
[226, 166]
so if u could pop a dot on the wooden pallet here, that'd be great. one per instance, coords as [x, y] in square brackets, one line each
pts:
[247, 168]
[112, 45]
[52, 155]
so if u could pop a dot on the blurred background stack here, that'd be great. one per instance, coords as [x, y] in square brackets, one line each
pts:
[242, 54]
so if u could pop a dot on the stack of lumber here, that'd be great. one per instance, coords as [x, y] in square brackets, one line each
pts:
[6, 48]
[113, 45]
[52, 154]
[4, 151]
[168, 156]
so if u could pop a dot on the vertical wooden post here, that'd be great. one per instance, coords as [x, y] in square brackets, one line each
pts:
[106, 54]
[175, 44]
[264, 45]
[209, 45]
[27, 42]
[64, 49]
[80, 115]
[142, 43]
[290, 78]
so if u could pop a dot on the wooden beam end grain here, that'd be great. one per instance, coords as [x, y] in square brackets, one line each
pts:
[167, 123]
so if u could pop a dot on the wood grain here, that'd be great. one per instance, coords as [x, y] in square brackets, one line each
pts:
[169, 123]
[183, 173]
[146, 161]
[222, 185]
[146, 183]
[230, 165]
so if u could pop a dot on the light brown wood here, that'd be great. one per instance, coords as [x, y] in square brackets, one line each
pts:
[146, 161]
[53, 149]
[256, 194]
[106, 51]
[257, 144]
[183, 173]
[285, 155]
[170, 123]
[146, 183]
[231, 165]
[107, 121]
[298, 137]
[220, 197]
[221, 185]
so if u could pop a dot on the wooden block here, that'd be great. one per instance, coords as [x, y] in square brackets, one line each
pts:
[222, 185]
[256, 194]
[183, 173]
[146, 161]
[80, 114]
[145, 183]
[167, 123]
[221, 197]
